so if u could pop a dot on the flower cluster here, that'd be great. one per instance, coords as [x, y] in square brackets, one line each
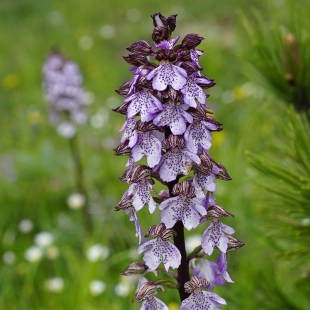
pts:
[168, 122]
[62, 82]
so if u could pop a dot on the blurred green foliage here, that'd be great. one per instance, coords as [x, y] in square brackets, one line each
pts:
[37, 172]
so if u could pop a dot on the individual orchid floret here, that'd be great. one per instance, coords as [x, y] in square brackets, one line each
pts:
[141, 184]
[206, 173]
[62, 81]
[200, 299]
[198, 134]
[148, 144]
[195, 54]
[185, 207]
[127, 205]
[130, 133]
[146, 294]
[193, 92]
[204, 178]
[209, 271]
[161, 249]
[173, 116]
[214, 235]
[177, 160]
[167, 74]
[143, 103]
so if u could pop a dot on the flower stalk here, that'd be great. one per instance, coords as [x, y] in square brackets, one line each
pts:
[65, 96]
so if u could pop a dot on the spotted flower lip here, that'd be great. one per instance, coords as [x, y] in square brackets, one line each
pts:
[214, 235]
[149, 145]
[181, 208]
[193, 92]
[196, 135]
[167, 74]
[143, 102]
[161, 251]
[176, 162]
[202, 300]
[175, 117]
[184, 207]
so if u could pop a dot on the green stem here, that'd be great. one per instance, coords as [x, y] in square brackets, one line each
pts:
[194, 253]
[79, 180]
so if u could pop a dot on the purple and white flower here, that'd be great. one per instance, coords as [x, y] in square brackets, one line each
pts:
[185, 207]
[173, 116]
[214, 235]
[177, 160]
[142, 103]
[161, 249]
[167, 74]
[149, 145]
[130, 133]
[200, 299]
[193, 92]
[209, 271]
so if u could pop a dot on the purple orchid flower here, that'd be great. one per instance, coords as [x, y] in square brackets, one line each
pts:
[200, 299]
[177, 160]
[214, 235]
[184, 207]
[167, 74]
[142, 102]
[209, 271]
[193, 92]
[149, 145]
[173, 116]
[161, 249]
[130, 133]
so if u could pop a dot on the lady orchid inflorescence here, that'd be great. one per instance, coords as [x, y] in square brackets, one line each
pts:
[168, 123]
[62, 81]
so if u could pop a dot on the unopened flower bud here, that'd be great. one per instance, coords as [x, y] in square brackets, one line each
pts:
[135, 269]
[136, 59]
[216, 211]
[194, 283]
[146, 291]
[124, 89]
[191, 41]
[189, 67]
[142, 47]
[234, 244]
